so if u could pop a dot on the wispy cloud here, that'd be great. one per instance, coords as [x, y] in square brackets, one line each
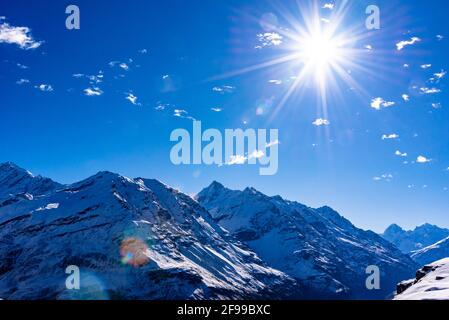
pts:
[216, 109]
[426, 66]
[386, 176]
[22, 81]
[440, 75]
[122, 65]
[44, 87]
[405, 97]
[321, 122]
[132, 98]
[275, 81]
[256, 154]
[180, 113]
[423, 159]
[20, 36]
[402, 44]
[329, 6]
[93, 91]
[400, 154]
[377, 103]
[390, 136]
[425, 90]
[269, 39]
[223, 89]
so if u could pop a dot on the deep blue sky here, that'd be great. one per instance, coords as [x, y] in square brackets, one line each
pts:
[66, 135]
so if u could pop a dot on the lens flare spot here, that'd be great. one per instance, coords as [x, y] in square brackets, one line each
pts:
[133, 252]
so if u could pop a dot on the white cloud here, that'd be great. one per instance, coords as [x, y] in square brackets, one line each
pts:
[275, 81]
[405, 65]
[22, 81]
[386, 176]
[405, 97]
[426, 90]
[143, 51]
[20, 36]
[436, 105]
[422, 159]
[400, 154]
[223, 89]
[368, 47]
[237, 159]
[124, 66]
[216, 109]
[390, 136]
[94, 91]
[439, 37]
[402, 44]
[426, 66]
[256, 154]
[132, 98]
[44, 87]
[180, 113]
[377, 103]
[321, 122]
[272, 143]
[329, 6]
[269, 39]
[440, 75]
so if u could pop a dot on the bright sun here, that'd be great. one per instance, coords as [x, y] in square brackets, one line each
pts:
[320, 52]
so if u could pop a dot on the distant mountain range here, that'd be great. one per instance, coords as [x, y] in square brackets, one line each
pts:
[140, 239]
[318, 247]
[412, 240]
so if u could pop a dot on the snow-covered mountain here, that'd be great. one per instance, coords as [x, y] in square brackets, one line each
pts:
[412, 240]
[318, 247]
[434, 252]
[17, 182]
[131, 239]
[431, 283]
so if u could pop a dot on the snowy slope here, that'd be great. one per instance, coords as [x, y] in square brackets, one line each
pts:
[21, 183]
[431, 283]
[412, 240]
[131, 239]
[434, 252]
[318, 247]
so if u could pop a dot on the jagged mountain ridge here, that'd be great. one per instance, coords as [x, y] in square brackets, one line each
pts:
[412, 240]
[434, 252]
[131, 238]
[318, 247]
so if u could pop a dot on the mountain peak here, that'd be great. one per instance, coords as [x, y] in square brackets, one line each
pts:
[7, 167]
[216, 185]
[394, 228]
